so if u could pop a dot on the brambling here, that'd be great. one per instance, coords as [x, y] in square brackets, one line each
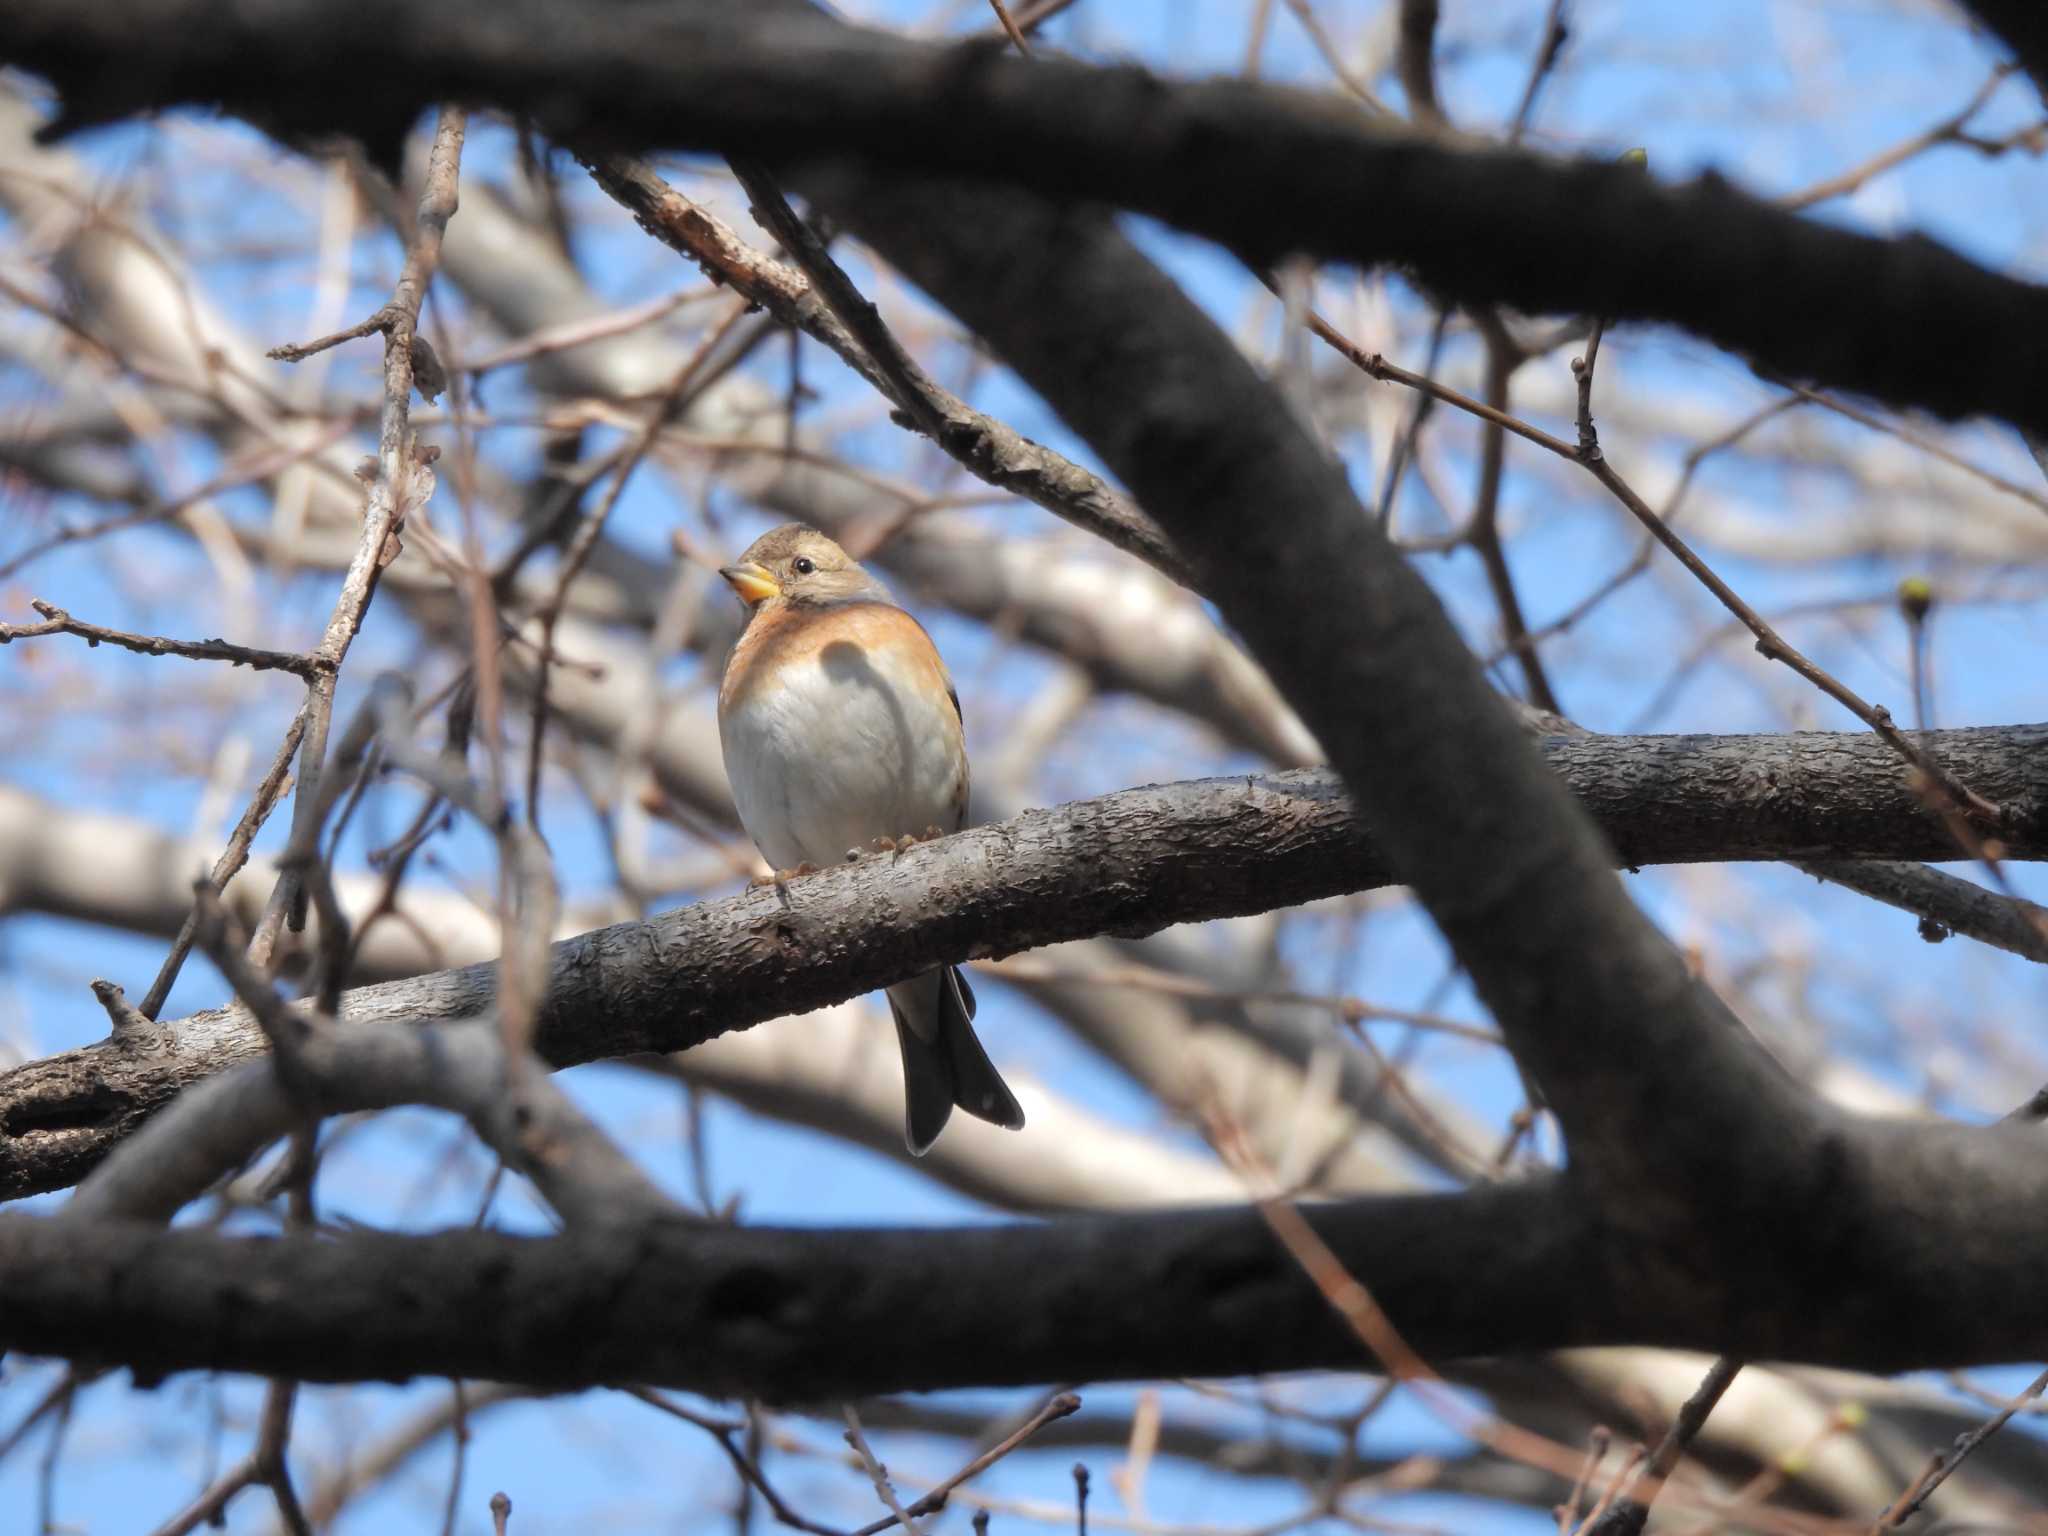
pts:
[841, 730]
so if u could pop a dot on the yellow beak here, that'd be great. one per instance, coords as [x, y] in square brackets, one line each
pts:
[751, 581]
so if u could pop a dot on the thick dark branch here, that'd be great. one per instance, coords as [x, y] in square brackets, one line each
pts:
[1922, 1250]
[793, 1315]
[1266, 170]
[1657, 1088]
[1127, 863]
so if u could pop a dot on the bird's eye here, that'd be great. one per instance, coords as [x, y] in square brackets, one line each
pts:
[803, 565]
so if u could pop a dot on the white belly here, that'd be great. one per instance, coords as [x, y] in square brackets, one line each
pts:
[841, 751]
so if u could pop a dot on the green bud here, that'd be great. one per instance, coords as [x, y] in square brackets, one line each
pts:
[1916, 597]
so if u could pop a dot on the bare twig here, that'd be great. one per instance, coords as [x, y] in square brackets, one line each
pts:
[460, 1426]
[298, 352]
[403, 479]
[1944, 903]
[577, 333]
[1333, 57]
[1939, 1469]
[244, 469]
[326, 1501]
[1556, 29]
[1596, 1452]
[986, 447]
[265, 1466]
[1056, 1407]
[878, 1475]
[1917, 440]
[1769, 642]
[587, 534]
[299, 866]
[1010, 27]
[232, 857]
[1172, 984]
[909, 385]
[1628, 1515]
[723, 1434]
[57, 622]
[1773, 646]
[1948, 131]
[1483, 531]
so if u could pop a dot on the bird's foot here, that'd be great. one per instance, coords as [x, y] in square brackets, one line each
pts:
[782, 876]
[909, 840]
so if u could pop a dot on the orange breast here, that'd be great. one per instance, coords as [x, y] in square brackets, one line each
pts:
[784, 633]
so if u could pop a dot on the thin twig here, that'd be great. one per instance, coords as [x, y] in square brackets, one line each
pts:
[1172, 984]
[1769, 642]
[1555, 31]
[1938, 1470]
[1010, 27]
[576, 333]
[909, 385]
[1773, 646]
[878, 1474]
[1333, 57]
[988, 449]
[356, 1477]
[1948, 131]
[298, 352]
[1596, 1452]
[1628, 1515]
[57, 622]
[1914, 440]
[403, 481]
[578, 553]
[459, 1424]
[1056, 1407]
[46, 1472]
[722, 1433]
[232, 857]
[270, 460]
[1483, 530]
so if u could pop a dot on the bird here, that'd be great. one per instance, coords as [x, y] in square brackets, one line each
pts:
[841, 732]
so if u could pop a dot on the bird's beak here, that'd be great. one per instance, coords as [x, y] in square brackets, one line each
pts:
[752, 581]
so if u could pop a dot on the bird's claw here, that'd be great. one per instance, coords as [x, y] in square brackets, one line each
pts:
[781, 876]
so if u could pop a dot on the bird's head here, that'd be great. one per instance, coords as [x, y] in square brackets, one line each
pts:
[799, 565]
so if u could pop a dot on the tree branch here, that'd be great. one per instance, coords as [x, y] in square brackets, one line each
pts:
[807, 1314]
[984, 445]
[787, 1315]
[1128, 863]
[1657, 1088]
[1265, 170]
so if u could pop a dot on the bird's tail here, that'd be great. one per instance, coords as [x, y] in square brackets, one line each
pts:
[943, 1062]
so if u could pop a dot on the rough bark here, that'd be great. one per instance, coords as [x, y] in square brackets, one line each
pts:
[1266, 170]
[808, 1314]
[1128, 863]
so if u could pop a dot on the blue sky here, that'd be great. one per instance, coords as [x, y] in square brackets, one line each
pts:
[1775, 94]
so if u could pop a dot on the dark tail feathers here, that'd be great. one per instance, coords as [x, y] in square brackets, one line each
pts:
[949, 1067]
